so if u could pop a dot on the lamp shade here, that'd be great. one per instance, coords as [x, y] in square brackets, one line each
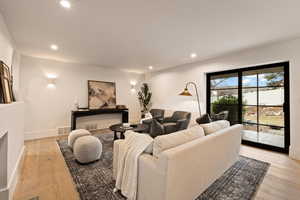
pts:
[185, 92]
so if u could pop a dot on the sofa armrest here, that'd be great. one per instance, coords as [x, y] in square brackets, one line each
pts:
[151, 178]
[116, 150]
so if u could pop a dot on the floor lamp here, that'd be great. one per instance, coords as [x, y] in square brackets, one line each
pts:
[187, 93]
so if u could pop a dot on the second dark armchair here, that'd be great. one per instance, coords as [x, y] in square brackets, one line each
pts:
[178, 121]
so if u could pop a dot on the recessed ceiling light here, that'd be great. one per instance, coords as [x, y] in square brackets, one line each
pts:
[65, 3]
[54, 47]
[150, 67]
[193, 55]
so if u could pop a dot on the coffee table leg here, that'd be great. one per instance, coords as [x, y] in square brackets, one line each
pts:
[115, 135]
[122, 135]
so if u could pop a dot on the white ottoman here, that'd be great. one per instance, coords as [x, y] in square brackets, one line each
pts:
[87, 149]
[74, 135]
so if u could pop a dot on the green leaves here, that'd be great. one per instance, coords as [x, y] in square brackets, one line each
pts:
[144, 96]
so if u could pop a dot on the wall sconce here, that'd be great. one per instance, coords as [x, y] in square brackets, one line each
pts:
[133, 84]
[51, 81]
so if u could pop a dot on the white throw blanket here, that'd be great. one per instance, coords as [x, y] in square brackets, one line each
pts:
[134, 145]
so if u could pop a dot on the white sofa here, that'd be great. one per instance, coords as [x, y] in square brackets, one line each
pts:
[184, 171]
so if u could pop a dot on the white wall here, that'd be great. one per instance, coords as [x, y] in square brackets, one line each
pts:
[47, 109]
[6, 45]
[168, 83]
[12, 121]
[11, 115]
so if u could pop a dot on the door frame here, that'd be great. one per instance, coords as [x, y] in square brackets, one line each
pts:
[286, 106]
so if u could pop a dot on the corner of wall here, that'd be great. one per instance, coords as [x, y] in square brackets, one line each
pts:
[8, 192]
[294, 153]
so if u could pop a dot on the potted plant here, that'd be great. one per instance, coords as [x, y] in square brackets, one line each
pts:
[144, 96]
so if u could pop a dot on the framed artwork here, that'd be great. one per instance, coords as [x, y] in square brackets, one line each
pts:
[6, 94]
[101, 94]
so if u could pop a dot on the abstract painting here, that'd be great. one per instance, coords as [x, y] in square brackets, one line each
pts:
[101, 94]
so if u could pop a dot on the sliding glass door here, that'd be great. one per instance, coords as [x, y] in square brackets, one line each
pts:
[258, 98]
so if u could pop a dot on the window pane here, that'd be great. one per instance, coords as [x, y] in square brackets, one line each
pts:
[231, 108]
[271, 135]
[224, 81]
[249, 80]
[250, 114]
[249, 96]
[250, 133]
[271, 77]
[271, 115]
[224, 96]
[271, 96]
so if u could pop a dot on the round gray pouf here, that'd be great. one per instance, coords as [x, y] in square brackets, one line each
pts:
[74, 135]
[87, 149]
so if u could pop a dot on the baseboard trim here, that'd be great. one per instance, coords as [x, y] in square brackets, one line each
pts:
[8, 192]
[40, 134]
[294, 153]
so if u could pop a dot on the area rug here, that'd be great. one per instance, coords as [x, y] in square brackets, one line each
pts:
[94, 181]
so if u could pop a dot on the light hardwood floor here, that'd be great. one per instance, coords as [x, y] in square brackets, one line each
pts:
[45, 174]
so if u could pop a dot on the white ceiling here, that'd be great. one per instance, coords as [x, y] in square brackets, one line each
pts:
[133, 34]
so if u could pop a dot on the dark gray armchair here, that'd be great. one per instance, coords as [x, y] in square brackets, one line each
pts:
[178, 121]
[158, 126]
[220, 116]
[157, 114]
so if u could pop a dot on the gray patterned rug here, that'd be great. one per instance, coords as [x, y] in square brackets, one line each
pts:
[94, 181]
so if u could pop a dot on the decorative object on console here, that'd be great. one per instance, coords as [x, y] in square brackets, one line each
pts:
[101, 94]
[6, 93]
[187, 93]
[144, 96]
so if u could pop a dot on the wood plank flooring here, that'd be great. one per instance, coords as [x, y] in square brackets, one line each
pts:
[44, 174]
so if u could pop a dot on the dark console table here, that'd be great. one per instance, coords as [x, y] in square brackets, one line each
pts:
[83, 113]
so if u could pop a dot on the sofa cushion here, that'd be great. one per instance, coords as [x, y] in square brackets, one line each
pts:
[215, 126]
[165, 142]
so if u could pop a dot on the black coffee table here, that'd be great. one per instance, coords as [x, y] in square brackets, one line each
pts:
[119, 128]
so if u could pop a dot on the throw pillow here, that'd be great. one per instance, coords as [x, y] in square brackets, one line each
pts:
[215, 126]
[165, 142]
